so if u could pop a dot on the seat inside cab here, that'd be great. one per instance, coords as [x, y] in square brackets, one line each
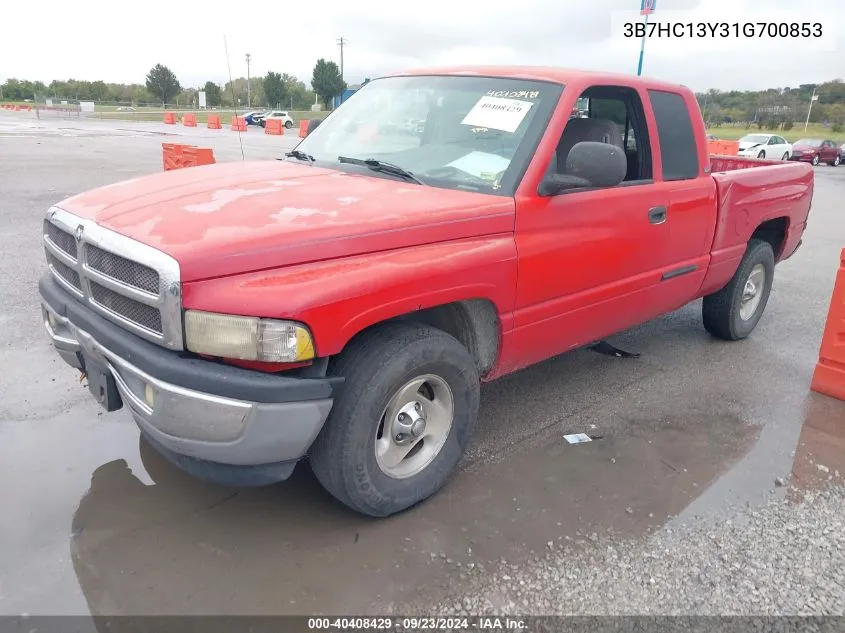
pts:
[609, 114]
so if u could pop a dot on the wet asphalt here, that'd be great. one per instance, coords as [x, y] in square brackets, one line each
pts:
[93, 521]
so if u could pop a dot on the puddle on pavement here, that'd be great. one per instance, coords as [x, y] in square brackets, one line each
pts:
[820, 455]
[183, 546]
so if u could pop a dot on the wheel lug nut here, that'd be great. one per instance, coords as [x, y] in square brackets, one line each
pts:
[400, 437]
[417, 406]
[403, 417]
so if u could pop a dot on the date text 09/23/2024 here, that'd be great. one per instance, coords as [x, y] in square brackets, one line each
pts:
[411, 624]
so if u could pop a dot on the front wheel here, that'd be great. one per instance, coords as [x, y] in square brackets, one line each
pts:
[785, 156]
[288, 124]
[762, 154]
[402, 421]
[835, 161]
[732, 313]
[816, 160]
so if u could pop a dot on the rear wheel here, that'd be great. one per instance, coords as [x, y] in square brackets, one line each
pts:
[288, 124]
[785, 156]
[762, 154]
[402, 421]
[732, 313]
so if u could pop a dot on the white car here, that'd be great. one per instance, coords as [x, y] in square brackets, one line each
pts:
[277, 114]
[769, 146]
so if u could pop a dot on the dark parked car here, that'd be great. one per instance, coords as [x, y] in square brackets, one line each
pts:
[252, 118]
[816, 150]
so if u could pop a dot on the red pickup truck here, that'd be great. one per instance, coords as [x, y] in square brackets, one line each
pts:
[342, 304]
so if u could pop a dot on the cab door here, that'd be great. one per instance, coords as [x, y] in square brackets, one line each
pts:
[595, 262]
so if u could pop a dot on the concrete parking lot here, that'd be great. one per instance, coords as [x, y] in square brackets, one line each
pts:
[94, 522]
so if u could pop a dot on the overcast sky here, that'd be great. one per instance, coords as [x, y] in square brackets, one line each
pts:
[119, 41]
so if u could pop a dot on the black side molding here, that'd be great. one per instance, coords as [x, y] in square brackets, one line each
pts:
[684, 270]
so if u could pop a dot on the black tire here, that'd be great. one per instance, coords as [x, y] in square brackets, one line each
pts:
[376, 365]
[835, 162]
[721, 310]
[261, 123]
[816, 160]
[288, 124]
[762, 154]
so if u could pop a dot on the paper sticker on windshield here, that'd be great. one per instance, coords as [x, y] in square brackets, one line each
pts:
[514, 94]
[497, 113]
[481, 165]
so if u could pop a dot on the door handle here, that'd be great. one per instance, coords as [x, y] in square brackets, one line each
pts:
[657, 215]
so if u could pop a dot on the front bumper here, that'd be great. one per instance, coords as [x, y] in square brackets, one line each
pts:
[222, 423]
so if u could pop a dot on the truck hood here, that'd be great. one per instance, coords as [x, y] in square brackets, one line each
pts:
[231, 218]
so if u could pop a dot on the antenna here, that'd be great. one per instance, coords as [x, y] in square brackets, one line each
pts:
[232, 88]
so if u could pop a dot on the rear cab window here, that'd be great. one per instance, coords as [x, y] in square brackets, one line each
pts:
[678, 149]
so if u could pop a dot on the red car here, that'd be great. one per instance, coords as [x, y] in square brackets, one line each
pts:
[815, 151]
[344, 304]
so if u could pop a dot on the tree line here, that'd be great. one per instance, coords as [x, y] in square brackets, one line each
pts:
[772, 108]
[161, 86]
[777, 108]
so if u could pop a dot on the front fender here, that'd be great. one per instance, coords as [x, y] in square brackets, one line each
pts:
[338, 298]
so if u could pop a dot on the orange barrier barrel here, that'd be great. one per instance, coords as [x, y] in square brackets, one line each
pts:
[723, 148]
[214, 122]
[238, 124]
[197, 156]
[274, 126]
[169, 118]
[303, 128]
[189, 120]
[829, 375]
[176, 156]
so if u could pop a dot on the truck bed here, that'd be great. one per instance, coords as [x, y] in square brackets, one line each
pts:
[750, 192]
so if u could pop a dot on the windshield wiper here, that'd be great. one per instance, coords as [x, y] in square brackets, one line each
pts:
[380, 165]
[300, 155]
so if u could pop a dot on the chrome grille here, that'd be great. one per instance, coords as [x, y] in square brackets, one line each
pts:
[119, 268]
[64, 271]
[132, 284]
[146, 316]
[61, 239]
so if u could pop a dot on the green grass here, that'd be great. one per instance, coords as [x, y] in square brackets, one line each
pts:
[157, 114]
[814, 130]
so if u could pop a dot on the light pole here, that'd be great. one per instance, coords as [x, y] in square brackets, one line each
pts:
[248, 94]
[813, 97]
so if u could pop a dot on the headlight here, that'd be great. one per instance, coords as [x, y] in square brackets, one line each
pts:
[247, 338]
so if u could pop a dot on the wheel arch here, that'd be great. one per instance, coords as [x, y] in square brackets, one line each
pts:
[474, 323]
[774, 232]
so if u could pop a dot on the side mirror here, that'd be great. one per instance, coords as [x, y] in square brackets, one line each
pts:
[312, 125]
[588, 164]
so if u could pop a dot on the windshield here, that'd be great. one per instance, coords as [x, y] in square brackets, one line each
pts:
[754, 138]
[809, 142]
[456, 132]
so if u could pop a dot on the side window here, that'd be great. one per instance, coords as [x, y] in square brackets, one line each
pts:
[774, 140]
[678, 151]
[611, 114]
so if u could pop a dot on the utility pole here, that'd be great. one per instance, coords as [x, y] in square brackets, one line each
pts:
[342, 42]
[248, 95]
[813, 97]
